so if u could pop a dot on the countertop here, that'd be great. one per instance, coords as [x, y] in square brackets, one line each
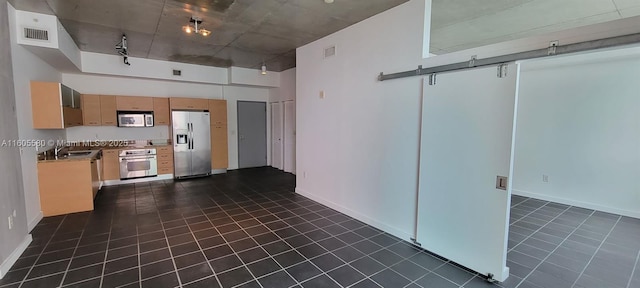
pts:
[49, 157]
[92, 152]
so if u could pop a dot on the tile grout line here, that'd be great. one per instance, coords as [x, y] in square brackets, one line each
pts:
[42, 252]
[596, 252]
[215, 275]
[138, 241]
[558, 246]
[259, 245]
[244, 265]
[550, 221]
[287, 243]
[347, 245]
[635, 267]
[173, 260]
[72, 255]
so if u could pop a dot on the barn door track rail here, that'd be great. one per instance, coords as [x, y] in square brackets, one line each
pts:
[554, 49]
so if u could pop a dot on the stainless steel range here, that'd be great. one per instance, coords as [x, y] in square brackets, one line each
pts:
[138, 163]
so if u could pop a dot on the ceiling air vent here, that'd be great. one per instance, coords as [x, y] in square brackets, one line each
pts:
[36, 34]
[329, 51]
[177, 72]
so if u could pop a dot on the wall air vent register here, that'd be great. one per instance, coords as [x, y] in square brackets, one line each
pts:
[36, 34]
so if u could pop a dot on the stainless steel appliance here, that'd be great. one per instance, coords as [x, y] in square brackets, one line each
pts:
[138, 163]
[135, 119]
[192, 144]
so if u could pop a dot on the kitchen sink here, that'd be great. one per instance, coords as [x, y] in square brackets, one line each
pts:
[79, 153]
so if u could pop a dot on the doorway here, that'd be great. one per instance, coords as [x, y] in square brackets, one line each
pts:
[289, 137]
[252, 134]
[276, 135]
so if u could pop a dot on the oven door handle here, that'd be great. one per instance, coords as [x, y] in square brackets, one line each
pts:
[139, 158]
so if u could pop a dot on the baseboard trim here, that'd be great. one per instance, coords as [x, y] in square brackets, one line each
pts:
[357, 215]
[13, 257]
[588, 205]
[34, 222]
[139, 180]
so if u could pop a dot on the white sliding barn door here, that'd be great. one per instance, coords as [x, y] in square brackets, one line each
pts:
[466, 140]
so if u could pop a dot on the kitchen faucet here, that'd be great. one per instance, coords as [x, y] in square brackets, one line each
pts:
[57, 149]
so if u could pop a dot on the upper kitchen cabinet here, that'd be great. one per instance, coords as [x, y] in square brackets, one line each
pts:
[54, 106]
[108, 111]
[161, 113]
[134, 103]
[189, 104]
[91, 111]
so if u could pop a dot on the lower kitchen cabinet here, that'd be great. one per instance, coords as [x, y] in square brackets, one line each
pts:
[110, 164]
[165, 160]
[67, 186]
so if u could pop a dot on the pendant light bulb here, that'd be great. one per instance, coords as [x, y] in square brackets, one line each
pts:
[264, 69]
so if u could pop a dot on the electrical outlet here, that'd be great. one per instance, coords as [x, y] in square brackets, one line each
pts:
[545, 178]
[10, 220]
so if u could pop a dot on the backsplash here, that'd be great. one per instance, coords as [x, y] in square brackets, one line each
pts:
[87, 133]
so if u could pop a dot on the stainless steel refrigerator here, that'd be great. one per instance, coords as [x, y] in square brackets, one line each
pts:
[191, 144]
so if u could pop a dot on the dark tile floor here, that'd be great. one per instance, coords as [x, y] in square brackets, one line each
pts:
[248, 229]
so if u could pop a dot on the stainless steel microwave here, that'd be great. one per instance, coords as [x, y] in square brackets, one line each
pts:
[135, 119]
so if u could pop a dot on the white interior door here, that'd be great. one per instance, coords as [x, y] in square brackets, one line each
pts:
[276, 135]
[466, 140]
[290, 137]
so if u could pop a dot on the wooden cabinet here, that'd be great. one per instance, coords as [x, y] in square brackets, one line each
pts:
[161, 112]
[67, 186]
[165, 160]
[189, 104]
[219, 141]
[108, 111]
[91, 111]
[72, 117]
[134, 103]
[95, 178]
[50, 110]
[110, 164]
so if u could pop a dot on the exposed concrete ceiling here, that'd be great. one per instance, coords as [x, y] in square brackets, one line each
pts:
[247, 32]
[461, 24]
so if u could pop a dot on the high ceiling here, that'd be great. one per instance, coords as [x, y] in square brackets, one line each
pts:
[246, 33]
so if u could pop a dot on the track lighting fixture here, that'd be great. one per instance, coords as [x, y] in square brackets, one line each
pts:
[194, 27]
[122, 49]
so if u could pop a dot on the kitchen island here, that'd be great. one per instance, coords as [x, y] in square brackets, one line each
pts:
[68, 184]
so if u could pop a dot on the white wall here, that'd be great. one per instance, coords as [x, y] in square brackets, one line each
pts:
[579, 123]
[287, 89]
[28, 67]
[357, 149]
[12, 241]
[89, 133]
[286, 92]
[109, 85]
[245, 76]
[113, 65]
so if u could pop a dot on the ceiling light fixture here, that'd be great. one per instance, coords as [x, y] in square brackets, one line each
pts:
[123, 50]
[264, 69]
[328, 1]
[194, 27]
